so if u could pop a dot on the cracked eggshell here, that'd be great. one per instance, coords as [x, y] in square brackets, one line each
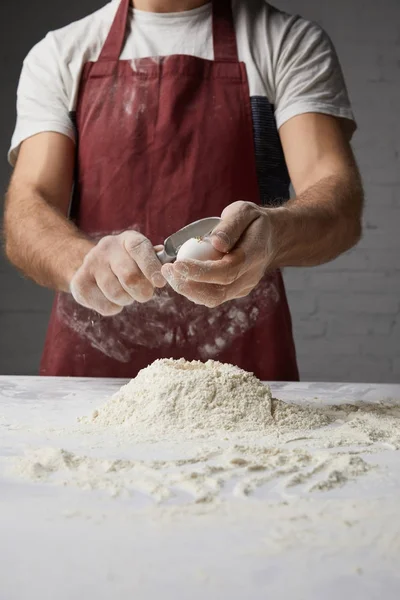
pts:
[198, 249]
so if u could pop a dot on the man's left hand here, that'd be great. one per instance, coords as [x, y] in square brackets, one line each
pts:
[244, 236]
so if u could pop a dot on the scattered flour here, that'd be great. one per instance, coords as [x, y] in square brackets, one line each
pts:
[202, 478]
[252, 440]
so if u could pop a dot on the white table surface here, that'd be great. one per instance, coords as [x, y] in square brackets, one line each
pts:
[66, 543]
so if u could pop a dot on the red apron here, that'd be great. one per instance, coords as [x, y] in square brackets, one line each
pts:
[163, 142]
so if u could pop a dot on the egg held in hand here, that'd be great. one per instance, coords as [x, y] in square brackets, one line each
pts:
[198, 249]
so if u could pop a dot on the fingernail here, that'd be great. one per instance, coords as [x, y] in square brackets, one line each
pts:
[158, 280]
[167, 272]
[223, 242]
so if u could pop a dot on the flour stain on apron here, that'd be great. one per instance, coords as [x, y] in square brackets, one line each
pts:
[169, 320]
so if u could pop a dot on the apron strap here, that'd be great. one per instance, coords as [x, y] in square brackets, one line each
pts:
[225, 46]
[114, 43]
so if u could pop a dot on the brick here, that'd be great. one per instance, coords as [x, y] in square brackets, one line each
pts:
[388, 346]
[380, 239]
[360, 325]
[378, 196]
[396, 199]
[360, 369]
[296, 279]
[395, 326]
[382, 159]
[371, 366]
[311, 328]
[333, 345]
[382, 222]
[383, 218]
[363, 259]
[363, 281]
[372, 304]
[396, 369]
[329, 281]
[311, 370]
[302, 303]
[383, 260]
[354, 260]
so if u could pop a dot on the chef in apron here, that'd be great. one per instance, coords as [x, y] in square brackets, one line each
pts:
[163, 142]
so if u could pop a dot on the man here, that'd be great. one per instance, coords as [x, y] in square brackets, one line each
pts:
[163, 113]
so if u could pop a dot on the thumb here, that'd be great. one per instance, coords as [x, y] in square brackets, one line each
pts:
[236, 218]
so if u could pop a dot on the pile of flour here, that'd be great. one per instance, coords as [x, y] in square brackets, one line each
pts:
[221, 434]
[177, 396]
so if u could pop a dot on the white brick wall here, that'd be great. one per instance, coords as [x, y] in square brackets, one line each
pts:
[347, 314]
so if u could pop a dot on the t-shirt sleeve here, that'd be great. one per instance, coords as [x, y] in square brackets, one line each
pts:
[42, 100]
[308, 75]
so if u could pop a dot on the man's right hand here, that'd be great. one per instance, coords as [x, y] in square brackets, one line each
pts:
[118, 271]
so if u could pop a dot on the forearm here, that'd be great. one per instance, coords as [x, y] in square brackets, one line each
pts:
[319, 225]
[40, 241]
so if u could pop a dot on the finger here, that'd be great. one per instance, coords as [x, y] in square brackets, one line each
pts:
[223, 271]
[110, 286]
[236, 218]
[131, 278]
[86, 293]
[206, 294]
[250, 252]
[211, 295]
[142, 251]
[255, 244]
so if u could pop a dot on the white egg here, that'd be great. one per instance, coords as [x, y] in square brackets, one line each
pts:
[198, 249]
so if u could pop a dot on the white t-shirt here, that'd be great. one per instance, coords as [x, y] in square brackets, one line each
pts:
[290, 61]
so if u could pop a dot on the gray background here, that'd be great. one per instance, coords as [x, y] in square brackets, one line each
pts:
[346, 314]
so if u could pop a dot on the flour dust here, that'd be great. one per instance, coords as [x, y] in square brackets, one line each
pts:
[193, 432]
[169, 321]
